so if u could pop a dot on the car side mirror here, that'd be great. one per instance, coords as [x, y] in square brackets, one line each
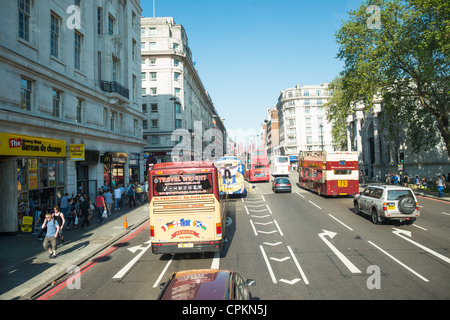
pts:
[250, 282]
[162, 285]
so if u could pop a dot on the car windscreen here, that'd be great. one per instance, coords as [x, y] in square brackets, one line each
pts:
[182, 184]
[283, 159]
[282, 180]
[394, 195]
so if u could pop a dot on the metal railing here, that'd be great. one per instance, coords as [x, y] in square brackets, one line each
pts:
[112, 86]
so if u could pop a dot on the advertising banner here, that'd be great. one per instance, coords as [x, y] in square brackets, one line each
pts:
[22, 145]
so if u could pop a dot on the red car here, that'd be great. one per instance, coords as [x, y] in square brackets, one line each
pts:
[207, 284]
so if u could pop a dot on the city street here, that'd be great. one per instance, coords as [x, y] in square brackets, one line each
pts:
[296, 246]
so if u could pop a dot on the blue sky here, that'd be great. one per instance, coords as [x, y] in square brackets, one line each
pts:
[247, 51]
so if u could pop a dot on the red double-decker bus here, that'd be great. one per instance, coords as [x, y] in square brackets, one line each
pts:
[329, 173]
[256, 166]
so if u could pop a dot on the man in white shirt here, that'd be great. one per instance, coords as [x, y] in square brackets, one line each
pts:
[117, 197]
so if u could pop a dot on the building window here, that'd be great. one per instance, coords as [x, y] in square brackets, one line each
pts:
[26, 90]
[177, 108]
[153, 91]
[176, 76]
[307, 109]
[80, 110]
[99, 20]
[144, 124]
[54, 35]
[24, 19]
[135, 128]
[152, 62]
[176, 62]
[175, 46]
[308, 140]
[133, 50]
[115, 68]
[154, 107]
[178, 124]
[77, 50]
[152, 76]
[110, 25]
[177, 92]
[144, 91]
[319, 93]
[56, 112]
[154, 123]
[152, 32]
[306, 93]
[105, 118]
[144, 108]
[112, 121]
[142, 31]
[152, 46]
[155, 140]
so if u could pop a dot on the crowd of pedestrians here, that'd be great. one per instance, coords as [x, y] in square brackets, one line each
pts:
[419, 183]
[78, 210]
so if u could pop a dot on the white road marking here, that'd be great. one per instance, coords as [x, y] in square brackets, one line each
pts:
[298, 265]
[164, 271]
[272, 275]
[293, 281]
[253, 227]
[315, 204]
[399, 262]
[216, 260]
[340, 222]
[280, 260]
[130, 264]
[278, 227]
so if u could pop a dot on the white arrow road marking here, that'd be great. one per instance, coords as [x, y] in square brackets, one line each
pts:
[130, 264]
[398, 261]
[272, 275]
[279, 260]
[272, 244]
[348, 264]
[446, 213]
[267, 232]
[264, 223]
[399, 233]
[260, 216]
[290, 282]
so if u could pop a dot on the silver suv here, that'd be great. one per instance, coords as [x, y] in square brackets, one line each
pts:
[383, 202]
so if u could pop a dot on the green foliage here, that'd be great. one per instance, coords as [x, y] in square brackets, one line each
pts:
[399, 55]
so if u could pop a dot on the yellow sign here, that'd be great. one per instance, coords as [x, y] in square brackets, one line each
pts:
[76, 152]
[21, 145]
[342, 183]
[27, 224]
[32, 174]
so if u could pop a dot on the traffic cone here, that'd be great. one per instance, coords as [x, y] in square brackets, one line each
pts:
[125, 224]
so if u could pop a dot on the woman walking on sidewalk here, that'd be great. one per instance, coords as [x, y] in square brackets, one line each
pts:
[441, 186]
[59, 216]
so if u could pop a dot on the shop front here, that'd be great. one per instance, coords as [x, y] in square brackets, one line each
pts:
[113, 168]
[33, 171]
[134, 168]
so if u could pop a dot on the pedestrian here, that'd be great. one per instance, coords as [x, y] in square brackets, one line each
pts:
[41, 218]
[117, 198]
[441, 186]
[424, 182]
[101, 206]
[51, 235]
[388, 177]
[84, 208]
[122, 200]
[145, 191]
[72, 214]
[417, 182]
[59, 216]
[91, 209]
[139, 194]
[131, 197]
[405, 180]
[108, 201]
[64, 205]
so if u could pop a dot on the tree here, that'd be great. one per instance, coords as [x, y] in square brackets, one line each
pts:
[398, 51]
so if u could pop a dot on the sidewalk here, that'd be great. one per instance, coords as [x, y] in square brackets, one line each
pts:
[417, 192]
[25, 267]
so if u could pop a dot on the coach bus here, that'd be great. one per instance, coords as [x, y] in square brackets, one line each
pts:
[280, 165]
[256, 166]
[329, 173]
[187, 214]
[231, 175]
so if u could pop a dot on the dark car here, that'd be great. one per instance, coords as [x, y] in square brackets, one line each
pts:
[281, 184]
[206, 284]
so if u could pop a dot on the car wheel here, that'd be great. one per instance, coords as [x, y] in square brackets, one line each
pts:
[374, 216]
[407, 205]
[357, 209]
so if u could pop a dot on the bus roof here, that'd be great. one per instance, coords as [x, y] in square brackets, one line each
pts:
[183, 164]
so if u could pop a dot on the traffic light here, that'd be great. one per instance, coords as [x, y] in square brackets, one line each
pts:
[402, 157]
